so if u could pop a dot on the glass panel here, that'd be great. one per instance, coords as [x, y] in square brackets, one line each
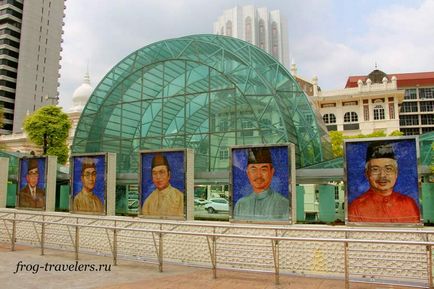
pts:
[174, 78]
[197, 112]
[196, 78]
[131, 115]
[410, 94]
[151, 119]
[219, 146]
[153, 82]
[176, 92]
[150, 143]
[426, 92]
[173, 115]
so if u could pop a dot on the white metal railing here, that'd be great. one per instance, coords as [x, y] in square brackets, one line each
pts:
[217, 234]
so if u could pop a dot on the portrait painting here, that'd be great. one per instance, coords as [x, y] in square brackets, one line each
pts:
[88, 189]
[162, 184]
[32, 184]
[382, 181]
[260, 177]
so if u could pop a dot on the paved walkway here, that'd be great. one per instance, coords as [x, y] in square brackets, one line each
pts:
[26, 268]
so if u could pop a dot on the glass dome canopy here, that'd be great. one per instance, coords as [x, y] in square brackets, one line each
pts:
[206, 92]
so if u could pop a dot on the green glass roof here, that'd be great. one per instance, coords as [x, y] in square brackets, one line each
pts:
[426, 142]
[14, 159]
[206, 92]
[13, 162]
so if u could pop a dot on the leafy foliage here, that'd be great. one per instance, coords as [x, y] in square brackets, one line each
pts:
[396, 133]
[49, 127]
[337, 139]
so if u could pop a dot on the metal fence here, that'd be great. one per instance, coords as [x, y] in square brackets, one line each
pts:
[356, 254]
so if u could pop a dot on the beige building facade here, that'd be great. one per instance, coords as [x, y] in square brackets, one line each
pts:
[371, 106]
[416, 115]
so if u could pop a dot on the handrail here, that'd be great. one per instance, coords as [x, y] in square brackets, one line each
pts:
[212, 237]
[218, 235]
[208, 224]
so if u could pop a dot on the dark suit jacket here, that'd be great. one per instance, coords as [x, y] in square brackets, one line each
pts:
[25, 199]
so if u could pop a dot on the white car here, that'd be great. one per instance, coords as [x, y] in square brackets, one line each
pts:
[199, 201]
[217, 205]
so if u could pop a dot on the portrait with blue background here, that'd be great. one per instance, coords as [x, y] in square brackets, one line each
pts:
[41, 170]
[240, 182]
[100, 164]
[176, 160]
[405, 155]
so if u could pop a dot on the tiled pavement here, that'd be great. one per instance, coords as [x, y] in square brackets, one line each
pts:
[135, 275]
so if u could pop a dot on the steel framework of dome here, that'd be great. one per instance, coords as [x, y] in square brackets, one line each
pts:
[205, 92]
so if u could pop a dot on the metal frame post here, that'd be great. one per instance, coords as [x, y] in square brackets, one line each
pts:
[160, 252]
[346, 264]
[214, 257]
[42, 235]
[115, 247]
[14, 232]
[160, 249]
[213, 252]
[275, 249]
[77, 240]
[429, 265]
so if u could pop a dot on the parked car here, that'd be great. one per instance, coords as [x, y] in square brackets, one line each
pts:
[217, 205]
[199, 201]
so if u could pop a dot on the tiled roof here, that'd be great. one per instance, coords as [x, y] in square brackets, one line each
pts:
[403, 79]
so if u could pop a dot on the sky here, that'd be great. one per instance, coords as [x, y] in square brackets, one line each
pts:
[330, 39]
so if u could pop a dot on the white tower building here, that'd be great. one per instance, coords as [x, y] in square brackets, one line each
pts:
[81, 95]
[30, 45]
[79, 99]
[266, 29]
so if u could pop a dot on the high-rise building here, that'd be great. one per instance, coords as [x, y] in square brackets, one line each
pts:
[266, 29]
[30, 46]
[416, 115]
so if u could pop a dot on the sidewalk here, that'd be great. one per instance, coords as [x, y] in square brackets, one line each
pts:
[135, 275]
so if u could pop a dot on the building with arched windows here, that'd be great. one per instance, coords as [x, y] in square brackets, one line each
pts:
[267, 30]
[373, 105]
[416, 114]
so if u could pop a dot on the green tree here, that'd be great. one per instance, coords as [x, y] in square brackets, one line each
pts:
[49, 127]
[337, 139]
[396, 133]
[377, 133]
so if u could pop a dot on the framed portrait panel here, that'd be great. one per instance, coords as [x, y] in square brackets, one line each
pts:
[381, 176]
[32, 183]
[163, 184]
[261, 183]
[4, 172]
[88, 184]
